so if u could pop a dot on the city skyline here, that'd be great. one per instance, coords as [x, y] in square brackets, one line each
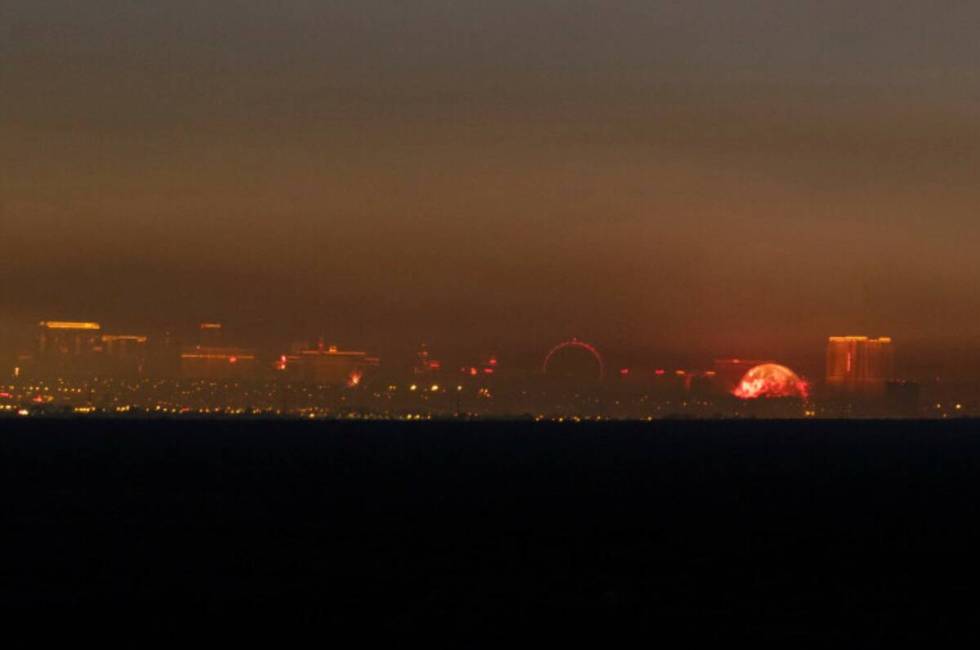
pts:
[212, 336]
[688, 179]
[558, 313]
[811, 362]
[80, 368]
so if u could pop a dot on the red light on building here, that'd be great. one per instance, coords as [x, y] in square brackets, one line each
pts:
[660, 372]
[232, 359]
[473, 372]
[624, 372]
[493, 361]
[488, 371]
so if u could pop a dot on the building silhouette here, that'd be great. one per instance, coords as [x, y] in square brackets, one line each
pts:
[328, 365]
[124, 354]
[212, 360]
[68, 348]
[859, 365]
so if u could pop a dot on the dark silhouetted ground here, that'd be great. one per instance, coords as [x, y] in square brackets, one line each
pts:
[719, 529]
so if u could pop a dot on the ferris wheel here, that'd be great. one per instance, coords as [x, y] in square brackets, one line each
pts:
[580, 345]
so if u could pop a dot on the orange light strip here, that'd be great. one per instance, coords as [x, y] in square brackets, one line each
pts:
[69, 325]
[858, 339]
[222, 357]
[108, 338]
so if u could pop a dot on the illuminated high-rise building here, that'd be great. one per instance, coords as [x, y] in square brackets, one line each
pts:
[202, 362]
[67, 338]
[328, 365]
[125, 354]
[124, 345]
[68, 347]
[211, 359]
[859, 364]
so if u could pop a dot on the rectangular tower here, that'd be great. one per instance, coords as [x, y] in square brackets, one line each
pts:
[859, 365]
[68, 348]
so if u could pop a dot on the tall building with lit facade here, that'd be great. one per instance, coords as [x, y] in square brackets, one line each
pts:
[211, 360]
[859, 365]
[68, 347]
[217, 363]
[68, 338]
[328, 365]
[125, 354]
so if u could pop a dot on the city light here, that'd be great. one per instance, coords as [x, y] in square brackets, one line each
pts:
[133, 338]
[218, 356]
[70, 325]
[78, 370]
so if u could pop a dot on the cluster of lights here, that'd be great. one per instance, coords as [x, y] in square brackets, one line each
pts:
[305, 399]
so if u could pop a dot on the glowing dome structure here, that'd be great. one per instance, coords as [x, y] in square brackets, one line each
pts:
[771, 380]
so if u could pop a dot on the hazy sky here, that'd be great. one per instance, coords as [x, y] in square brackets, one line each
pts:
[686, 179]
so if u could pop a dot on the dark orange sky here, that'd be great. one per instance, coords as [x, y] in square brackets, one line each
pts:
[668, 179]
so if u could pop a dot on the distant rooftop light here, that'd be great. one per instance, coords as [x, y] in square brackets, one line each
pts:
[69, 325]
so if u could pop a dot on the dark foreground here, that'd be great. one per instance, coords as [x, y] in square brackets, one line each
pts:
[717, 529]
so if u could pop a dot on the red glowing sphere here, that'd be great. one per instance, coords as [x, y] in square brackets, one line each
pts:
[771, 380]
